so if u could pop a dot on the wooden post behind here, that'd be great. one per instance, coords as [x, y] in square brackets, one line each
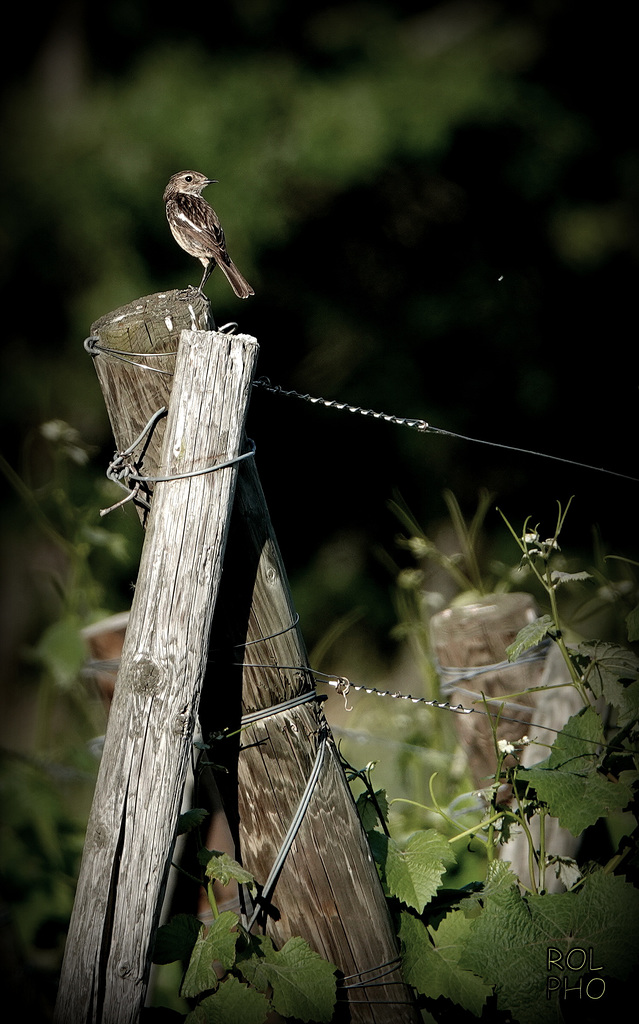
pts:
[328, 891]
[138, 383]
[148, 743]
[475, 635]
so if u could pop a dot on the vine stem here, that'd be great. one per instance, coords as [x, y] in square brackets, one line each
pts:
[542, 848]
[482, 824]
[521, 819]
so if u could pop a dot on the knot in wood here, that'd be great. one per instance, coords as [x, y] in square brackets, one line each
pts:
[183, 721]
[124, 968]
[101, 835]
[145, 674]
[271, 575]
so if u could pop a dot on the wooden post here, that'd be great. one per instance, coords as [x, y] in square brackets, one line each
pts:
[148, 743]
[328, 891]
[134, 350]
[474, 636]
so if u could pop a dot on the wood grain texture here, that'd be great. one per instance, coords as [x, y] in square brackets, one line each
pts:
[149, 738]
[329, 890]
[135, 388]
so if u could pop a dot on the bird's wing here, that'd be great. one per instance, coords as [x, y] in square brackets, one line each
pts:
[199, 224]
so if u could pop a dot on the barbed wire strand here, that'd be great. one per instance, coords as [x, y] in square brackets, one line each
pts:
[92, 346]
[426, 428]
[396, 960]
[343, 685]
[119, 471]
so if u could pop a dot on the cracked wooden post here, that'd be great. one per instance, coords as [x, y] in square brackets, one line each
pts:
[148, 743]
[328, 890]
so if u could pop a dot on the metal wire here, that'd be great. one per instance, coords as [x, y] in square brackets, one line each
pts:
[92, 346]
[424, 427]
[293, 829]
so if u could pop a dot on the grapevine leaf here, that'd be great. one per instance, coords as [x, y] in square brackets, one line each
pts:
[569, 781]
[613, 673]
[529, 636]
[175, 940]
[233, 1003]
[517, 941]
[190, 820]
[367, 808]
[578, 801]
[632, 622]
[302, 983]
[499, 878]
[215, 946]
[430, 961]
[223, 868]
[558, 577]
[413, 874]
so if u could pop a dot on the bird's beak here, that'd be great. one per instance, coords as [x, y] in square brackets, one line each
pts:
[211, 181]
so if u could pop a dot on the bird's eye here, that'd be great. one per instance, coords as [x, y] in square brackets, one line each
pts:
[188, 177]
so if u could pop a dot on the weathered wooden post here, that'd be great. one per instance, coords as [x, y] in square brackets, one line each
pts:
[134, 350]
[148, 743]
[327, 889]
[468, 642]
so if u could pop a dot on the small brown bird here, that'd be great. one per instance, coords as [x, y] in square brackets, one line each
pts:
[196, 228]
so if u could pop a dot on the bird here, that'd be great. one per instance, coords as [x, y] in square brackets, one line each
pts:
[195, 227]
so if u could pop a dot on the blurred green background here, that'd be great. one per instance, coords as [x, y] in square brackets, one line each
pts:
[436, 205]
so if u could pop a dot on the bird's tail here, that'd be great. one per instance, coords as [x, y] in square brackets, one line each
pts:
[238, 282]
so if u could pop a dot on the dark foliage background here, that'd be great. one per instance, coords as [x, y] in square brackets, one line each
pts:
[437, 207]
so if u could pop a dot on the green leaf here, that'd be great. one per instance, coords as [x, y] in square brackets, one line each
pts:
[303, 984]
[613, 673]
[191, 819]
[233, 1003]
[568, 781]
[413, 873]
[499, 879]
[529, 636]
[215, 946]
[632, 622]
[430, 961]
[116, 544]
[368, 811]
[579, 801]
[175, 940]
[558, 578]
[509, 943]
[223, 868]
[577, 746]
